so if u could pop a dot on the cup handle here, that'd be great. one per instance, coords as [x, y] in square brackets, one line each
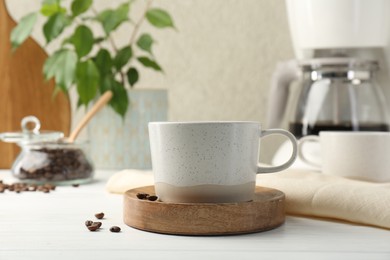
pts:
[301, 155]
[290, 161]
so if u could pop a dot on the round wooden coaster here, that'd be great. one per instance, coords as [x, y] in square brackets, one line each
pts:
[265, 212]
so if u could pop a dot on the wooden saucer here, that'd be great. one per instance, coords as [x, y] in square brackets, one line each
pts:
[265, 212]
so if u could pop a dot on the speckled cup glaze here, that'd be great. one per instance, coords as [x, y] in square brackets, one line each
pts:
[209, 161]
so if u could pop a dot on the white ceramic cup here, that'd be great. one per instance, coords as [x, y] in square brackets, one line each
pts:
[357, 155]
[209, 161]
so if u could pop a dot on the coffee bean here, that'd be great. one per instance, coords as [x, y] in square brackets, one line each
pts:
[40, 188]
[142, 196]
[49, 186]
[152, 198]
[115, 229]
[75, 185]
[88, 223]
[98, 224]
[93, 228]
[19, 187]
[99, 215]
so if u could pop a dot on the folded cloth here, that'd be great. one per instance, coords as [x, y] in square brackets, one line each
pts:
[307, 193]
[315, 194]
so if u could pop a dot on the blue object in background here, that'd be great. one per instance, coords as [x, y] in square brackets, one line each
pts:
[124, 144]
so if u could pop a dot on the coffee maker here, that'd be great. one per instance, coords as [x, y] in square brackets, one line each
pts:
[340, 69]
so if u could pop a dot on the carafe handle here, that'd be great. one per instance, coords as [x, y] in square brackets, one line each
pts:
[285, 73]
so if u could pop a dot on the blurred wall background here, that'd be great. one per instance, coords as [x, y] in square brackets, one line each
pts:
[217, 64]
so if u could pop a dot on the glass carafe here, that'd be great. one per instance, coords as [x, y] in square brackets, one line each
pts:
[338, 94]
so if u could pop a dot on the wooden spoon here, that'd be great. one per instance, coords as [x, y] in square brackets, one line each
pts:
[95, 108]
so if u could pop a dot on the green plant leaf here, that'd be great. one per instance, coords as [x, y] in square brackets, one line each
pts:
[51, 7]
[79, 103]
[112, 18]
[104, 62]
[87, 80]
[122, 57]
[145, 42]
[105, 83]
[80, 6]
[147, 62]
[83, 40]
[159, 18]
[24, 28]
[54, 26]
[120, 100]
[61, 65]
[132, 76]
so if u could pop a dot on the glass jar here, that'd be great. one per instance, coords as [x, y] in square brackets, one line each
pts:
[50, 162]
[46, 158]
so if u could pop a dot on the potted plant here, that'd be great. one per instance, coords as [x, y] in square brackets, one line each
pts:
[90, 60]
[83, 59]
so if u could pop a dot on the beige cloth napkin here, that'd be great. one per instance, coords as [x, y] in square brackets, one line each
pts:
[307, 193]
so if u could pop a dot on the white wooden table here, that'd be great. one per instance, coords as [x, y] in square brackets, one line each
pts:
[51, 226]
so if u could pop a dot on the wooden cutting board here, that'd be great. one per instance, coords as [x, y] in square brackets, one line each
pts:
[23, 90]
[265, 212]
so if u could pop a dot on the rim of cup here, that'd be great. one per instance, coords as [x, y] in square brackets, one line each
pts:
[202, 122]
[358, 133]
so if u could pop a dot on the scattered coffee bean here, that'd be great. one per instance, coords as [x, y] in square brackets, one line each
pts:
[49, 186]
[99, 215]
[142, 196]
[19, 187]
[152, 198]
[75, 185]
[93, 227]
[145, 196]
[88, 223]
[98, 224]
[115, 229]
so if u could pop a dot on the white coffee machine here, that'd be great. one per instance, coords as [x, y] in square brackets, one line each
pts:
[342, 57]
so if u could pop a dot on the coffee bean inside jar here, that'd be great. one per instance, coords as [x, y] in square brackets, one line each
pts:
[59, 163]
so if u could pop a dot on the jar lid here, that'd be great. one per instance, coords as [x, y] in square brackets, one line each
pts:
[30, 133]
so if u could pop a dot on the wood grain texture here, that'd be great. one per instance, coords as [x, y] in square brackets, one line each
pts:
[23, 90]
[265, 212]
